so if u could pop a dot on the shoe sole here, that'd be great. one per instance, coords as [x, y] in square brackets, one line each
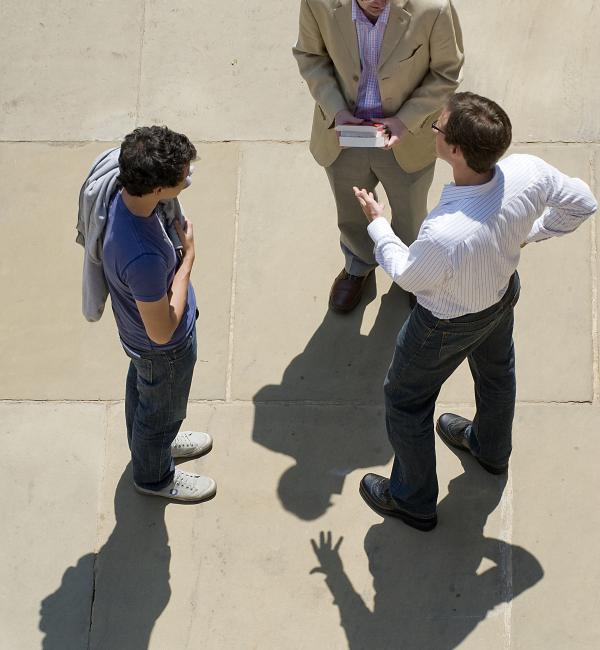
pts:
[415, 522]
[448, 441]
[153, 493]
[197, 454]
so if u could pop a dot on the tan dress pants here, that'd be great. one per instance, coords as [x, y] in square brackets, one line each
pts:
[407, 194]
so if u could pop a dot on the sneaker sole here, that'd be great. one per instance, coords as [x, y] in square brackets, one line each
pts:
[154, 493]
[492, 469]
[195, 454]
[415, 522]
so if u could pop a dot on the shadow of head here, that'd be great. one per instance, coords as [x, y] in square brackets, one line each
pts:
[307, 492]
[340, 426]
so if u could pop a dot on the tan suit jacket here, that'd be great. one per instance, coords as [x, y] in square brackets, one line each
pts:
[419, 68]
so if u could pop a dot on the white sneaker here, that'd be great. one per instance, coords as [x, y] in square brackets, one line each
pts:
[191, 443]
[185, 487]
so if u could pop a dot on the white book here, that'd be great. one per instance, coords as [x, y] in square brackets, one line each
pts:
[361, 135]
[357, 129]
[361, 141]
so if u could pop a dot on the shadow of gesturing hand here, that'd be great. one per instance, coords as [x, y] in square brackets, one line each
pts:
[431, 589]
[112, 599]
[327, 554]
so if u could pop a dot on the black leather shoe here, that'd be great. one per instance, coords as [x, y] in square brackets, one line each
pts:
[451, 429]
[375, 490]
[346, 291]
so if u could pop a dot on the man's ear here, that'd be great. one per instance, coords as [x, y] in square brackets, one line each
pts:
[157, 191]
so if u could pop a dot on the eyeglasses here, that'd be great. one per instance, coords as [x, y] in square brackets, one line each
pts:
[435, 127]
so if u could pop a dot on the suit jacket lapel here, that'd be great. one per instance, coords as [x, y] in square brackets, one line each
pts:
[343, 17]
[397, 25]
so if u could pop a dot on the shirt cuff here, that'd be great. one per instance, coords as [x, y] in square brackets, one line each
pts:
[379, 228]
[537, 233]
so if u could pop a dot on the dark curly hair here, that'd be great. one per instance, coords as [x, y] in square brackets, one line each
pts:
[480, 128]
[153, 156]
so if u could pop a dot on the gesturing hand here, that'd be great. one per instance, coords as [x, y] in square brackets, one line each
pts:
[369, 205]
[327, 554]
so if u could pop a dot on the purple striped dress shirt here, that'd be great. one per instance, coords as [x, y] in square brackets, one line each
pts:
[370, 37]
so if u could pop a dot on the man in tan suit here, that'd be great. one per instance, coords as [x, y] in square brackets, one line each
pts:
[394, 62]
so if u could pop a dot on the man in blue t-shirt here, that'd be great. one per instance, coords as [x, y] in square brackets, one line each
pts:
[155, 309]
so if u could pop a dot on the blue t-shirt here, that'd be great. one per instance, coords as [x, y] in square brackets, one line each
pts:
[139, 263]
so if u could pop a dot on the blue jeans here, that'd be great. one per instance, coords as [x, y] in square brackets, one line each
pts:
[428, 351]
[156, 395]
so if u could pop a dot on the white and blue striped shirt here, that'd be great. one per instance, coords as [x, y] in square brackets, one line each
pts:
[470, 244]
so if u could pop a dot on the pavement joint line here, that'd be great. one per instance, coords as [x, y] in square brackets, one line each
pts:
[324, 403]
[141, 62]
[594, 271]
[97, 541]
[236, 220]
[506, 560]
[79, 141]
[92, 602]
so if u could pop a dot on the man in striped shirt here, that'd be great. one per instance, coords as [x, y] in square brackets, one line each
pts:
[462, 268]
[394, 62]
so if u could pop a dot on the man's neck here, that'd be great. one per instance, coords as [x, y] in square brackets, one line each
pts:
[466, 176]
[140, 206]
[370, 17]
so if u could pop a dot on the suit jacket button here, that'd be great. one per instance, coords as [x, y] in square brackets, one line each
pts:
[355, 77]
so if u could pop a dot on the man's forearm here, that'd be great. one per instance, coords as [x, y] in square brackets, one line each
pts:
[179, 292]
[418, 267]
[568, 204]
[318, 73]
[315, 65]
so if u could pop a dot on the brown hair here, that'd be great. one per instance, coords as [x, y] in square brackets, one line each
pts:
[480, 128]
[153, 156]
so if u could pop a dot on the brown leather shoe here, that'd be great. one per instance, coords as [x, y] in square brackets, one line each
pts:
[346, 291]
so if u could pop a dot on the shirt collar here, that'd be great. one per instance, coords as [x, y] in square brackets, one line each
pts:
[452, 192]
[357, 14]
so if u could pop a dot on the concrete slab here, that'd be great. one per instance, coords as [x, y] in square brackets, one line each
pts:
[200, 574]
[52, 352]
[211, 205]
[489, 572]
[596, 273]
[555, 518]
[235, 79]
[50, 473]
[107, 87]
[303, 352]
[546, 93]
[60, 79]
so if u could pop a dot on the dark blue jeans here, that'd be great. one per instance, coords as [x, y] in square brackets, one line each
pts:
[428, 351]
[156, 395]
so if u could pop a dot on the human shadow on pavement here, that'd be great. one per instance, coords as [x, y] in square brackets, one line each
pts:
[339, 424]
[113, 599]
[431, 589]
